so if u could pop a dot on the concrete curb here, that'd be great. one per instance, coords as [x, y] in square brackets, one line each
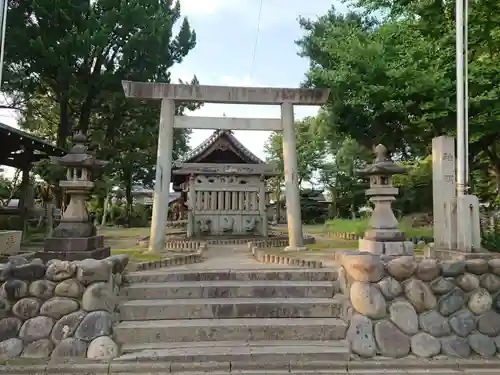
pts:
[260, 254]
[409, 366]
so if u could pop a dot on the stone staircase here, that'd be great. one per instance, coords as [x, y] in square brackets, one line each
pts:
[244, 319]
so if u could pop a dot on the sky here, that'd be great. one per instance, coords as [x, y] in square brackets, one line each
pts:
[224, 55]
[233, 50]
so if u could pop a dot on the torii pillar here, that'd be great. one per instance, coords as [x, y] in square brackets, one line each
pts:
[169, 93]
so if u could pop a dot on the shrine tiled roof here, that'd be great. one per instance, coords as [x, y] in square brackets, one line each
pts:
[210, 141]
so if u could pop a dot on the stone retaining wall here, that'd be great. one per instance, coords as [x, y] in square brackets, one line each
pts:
[355, 236]
[176, 260]
[184, 245]
[258, 251]
[262, 256]
[424, 308]
[59, 309]
[343, 235]
[280, 240]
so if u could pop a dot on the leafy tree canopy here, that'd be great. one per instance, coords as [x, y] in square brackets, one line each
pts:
[65, 62]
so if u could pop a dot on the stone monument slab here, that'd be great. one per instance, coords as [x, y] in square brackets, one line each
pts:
[444, 194]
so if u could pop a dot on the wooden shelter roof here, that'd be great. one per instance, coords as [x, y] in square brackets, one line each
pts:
[20, 149]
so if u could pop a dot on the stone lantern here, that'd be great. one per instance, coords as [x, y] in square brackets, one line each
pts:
[75, 237]
[382, 236]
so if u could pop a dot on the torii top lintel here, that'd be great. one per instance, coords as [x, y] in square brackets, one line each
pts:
[225, 94]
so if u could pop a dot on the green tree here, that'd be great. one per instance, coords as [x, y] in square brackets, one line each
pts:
[339, 176]
[415, 188]
[311, 148]
[77, 53]
[393, 81]
[386, 81]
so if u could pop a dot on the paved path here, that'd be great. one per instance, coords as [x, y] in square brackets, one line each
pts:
[225, 257]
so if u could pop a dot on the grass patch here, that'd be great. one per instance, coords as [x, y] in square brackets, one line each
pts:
[120, 233]
[137, 255]
[333, 244]
[359, 226]
[320, 246]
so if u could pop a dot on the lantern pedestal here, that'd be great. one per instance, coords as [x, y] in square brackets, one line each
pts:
[74, 248]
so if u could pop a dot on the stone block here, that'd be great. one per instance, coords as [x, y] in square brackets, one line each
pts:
[101, 253]
[10, 241]
[384, 235]
[394, 249]
[409, 247]
[370, 246]
[73, 244]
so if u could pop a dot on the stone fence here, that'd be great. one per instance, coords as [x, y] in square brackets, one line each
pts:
[425, 308]
[59, 309]
[355, 236]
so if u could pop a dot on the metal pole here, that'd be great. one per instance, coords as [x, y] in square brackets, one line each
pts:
[462, 133]
[3, 25]
[466, 93]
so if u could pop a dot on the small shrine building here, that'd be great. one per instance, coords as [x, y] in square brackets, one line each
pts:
[224, 187]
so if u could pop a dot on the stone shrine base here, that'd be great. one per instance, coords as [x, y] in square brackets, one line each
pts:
[74, 248]
[397, 248]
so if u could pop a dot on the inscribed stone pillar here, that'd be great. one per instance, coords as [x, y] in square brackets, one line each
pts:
[213, 200]
[241, 201]
[444, 192]
[263, 206]
[162, 179]
[294, 219]
[234, 200]
[199, 201]
[191, 207]
[206, 200]
[220, 200]
[254, 201]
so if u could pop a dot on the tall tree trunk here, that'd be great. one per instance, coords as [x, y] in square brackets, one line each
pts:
[105, 209]
[128, 195]
[353, 210]
[64, 129]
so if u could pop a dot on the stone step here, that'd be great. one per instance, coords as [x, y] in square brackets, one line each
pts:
[230, 289]
[243, 329]
[221, 308]
[303, 367]
[296, 274]
[263, 352]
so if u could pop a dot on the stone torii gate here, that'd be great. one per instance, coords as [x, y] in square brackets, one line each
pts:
[169, 93]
